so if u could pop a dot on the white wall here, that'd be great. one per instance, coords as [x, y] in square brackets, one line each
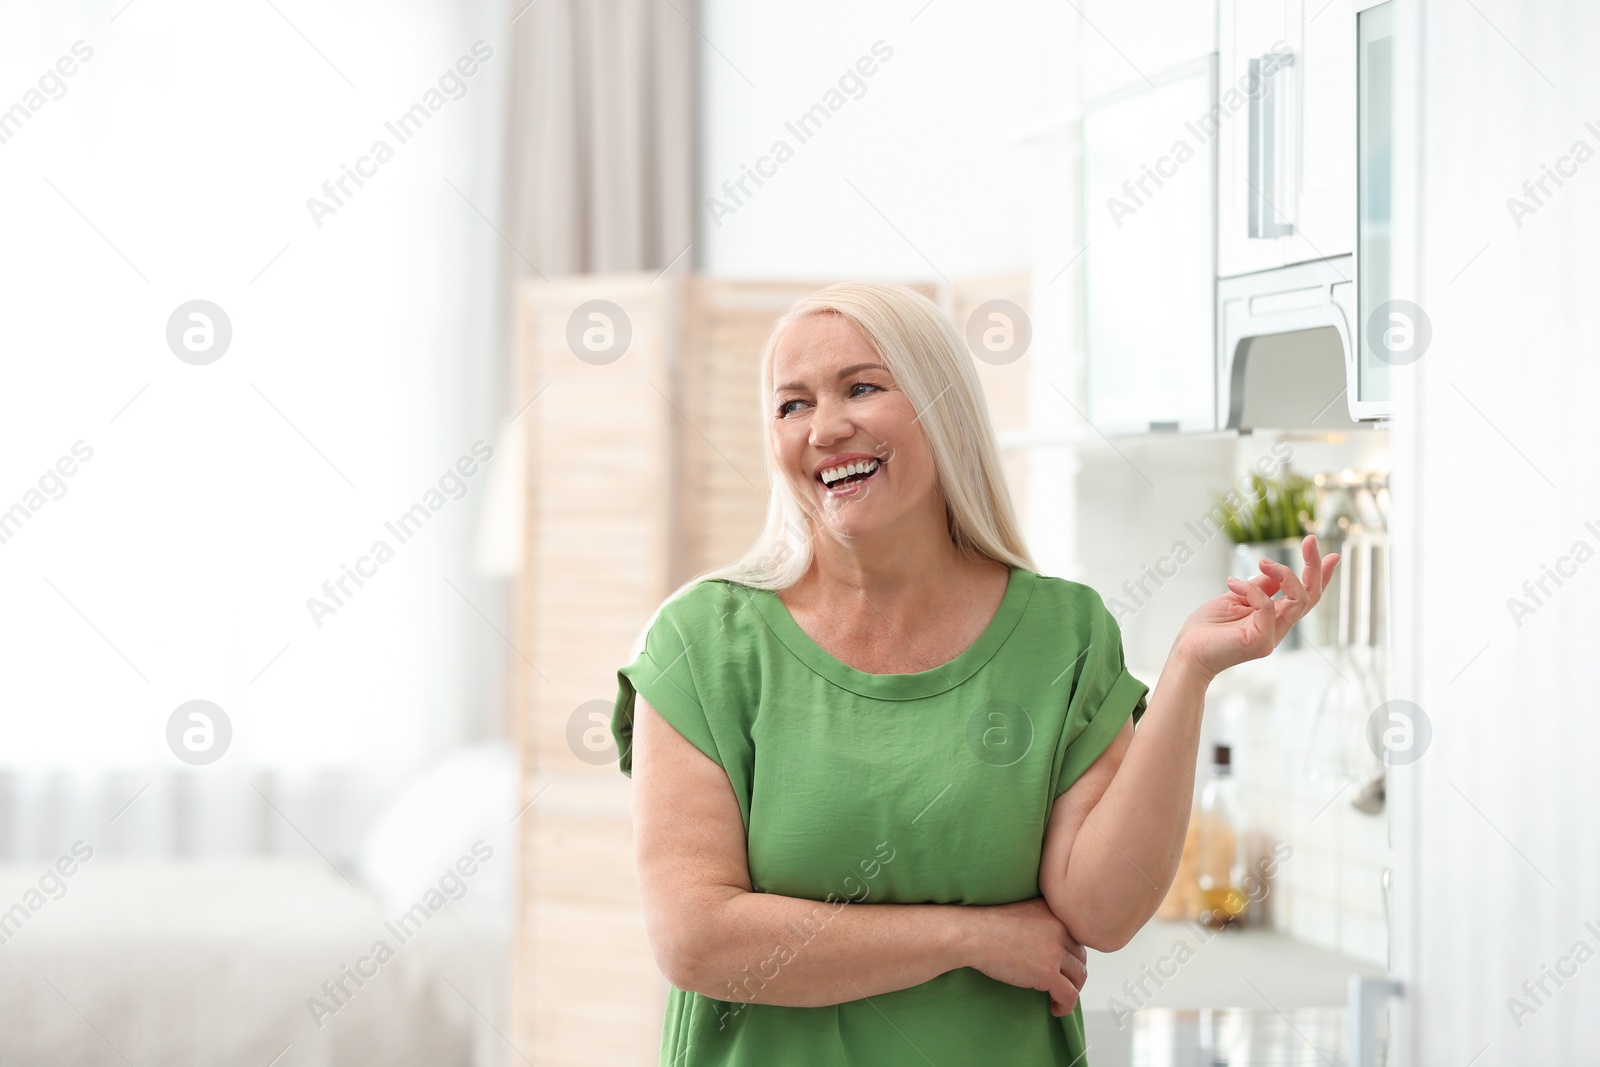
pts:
[928, 143]
[1497, 481]
[178, 564]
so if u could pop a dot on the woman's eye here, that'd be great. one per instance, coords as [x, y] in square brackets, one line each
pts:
[786, 407]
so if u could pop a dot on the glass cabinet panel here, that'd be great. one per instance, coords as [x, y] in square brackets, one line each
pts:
[1374, 181]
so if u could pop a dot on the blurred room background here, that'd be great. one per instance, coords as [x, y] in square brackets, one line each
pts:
[372, 371]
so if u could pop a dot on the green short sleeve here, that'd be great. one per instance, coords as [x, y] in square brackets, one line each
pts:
[665, 675]
[1103, 696]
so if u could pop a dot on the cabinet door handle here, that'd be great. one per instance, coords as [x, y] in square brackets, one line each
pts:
[1262, 176]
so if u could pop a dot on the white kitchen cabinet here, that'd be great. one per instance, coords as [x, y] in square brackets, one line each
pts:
[1248, 33]
[1286, 172]
[1149, 186]
[1325, 180]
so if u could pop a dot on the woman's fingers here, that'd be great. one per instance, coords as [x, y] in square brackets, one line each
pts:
[1063, 995]
[1264, 582]
[1076, 970]
[1253, 593]
[1071, 976]
[1299, 595]
[1311, 575]
[1293, 588]
[1297, 601]
[1267, 583]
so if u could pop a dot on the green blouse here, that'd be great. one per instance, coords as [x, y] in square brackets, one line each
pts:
[932, 787]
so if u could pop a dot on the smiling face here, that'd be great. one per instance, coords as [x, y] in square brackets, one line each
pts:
[836, 410]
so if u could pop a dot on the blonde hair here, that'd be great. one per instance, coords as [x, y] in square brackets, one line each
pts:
[930, 363]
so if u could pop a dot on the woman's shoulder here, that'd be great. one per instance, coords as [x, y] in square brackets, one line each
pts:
[1066, 594]
[712, 607]
[709, 598]
[1063, 604]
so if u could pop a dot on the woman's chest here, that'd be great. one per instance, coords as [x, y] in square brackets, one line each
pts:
[873, 643]
[955, 788]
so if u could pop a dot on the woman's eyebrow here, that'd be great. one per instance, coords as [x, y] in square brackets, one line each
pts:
[844, 373]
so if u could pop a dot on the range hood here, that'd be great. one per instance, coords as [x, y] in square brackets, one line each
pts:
[1285, 348]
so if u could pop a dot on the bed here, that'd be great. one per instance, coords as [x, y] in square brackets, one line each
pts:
[241, 962]
[397, 956]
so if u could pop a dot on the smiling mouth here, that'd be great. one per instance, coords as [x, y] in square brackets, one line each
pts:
[848, 474]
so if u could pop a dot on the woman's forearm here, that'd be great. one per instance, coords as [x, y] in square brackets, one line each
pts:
[746, 947]
[1120, 859]
[1124, 857]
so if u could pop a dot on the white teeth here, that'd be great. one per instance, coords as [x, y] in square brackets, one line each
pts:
[860, 466]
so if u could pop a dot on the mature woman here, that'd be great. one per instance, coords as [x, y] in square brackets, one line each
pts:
[886, 779]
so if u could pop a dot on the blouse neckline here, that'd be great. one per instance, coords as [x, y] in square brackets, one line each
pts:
[915, 685]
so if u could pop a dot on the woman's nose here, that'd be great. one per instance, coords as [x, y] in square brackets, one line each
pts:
[830, 423]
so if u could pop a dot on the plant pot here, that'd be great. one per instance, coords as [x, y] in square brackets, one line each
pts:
[1314, 628]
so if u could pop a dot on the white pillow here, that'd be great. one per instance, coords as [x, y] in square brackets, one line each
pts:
[447, 830]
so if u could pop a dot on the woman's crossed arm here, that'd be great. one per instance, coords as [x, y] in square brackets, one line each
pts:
[711, 934]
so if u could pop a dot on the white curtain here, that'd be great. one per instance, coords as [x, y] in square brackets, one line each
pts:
[602, 141]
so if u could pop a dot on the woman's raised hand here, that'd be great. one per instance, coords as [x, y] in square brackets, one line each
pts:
[1246, 622]
[1025, 945]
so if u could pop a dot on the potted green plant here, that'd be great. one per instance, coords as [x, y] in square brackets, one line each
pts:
[1271, 521]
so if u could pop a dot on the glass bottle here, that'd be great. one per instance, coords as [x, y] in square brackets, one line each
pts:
[1222, 845]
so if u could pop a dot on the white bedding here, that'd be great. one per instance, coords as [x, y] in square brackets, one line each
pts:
[202, 963]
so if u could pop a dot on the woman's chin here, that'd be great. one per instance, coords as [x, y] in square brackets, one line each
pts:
[851, 523]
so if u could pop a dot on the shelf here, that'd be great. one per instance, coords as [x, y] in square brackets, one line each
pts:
[1299, 975]
[1162, 1037]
